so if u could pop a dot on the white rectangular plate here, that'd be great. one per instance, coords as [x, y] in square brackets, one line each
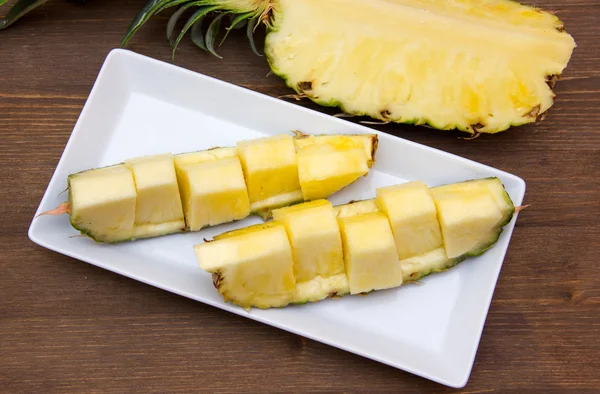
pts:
[141, 106]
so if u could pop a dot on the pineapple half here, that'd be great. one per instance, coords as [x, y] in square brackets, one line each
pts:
[165, 194]
[407, 232]
[479, 66]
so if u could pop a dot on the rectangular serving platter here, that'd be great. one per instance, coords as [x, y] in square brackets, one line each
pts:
[140, 106]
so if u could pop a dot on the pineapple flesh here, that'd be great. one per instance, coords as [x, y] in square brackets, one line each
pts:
[252, 268]
[370, 254]
[213, 191]
[270, 167]
[103, 203]
[158, 206]
[367, 142]
[316, 242]
[413, 217]
[478, 66]
[324, 170]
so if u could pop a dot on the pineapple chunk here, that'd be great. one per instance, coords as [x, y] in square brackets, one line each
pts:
[413, 217]
[319, 288]
[493, 185]
[213, 192]
[316, 248]
[251, 268]
[367, 142]
[370, 253]
[417, 267]
[158, 209]
[355, 208]
[470, 221]
[271, 172]
[323, 170]
[103, 203]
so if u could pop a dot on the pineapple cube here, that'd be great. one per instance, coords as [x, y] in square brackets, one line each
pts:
[370, 253]
[158, 210]
[213, 192]
[413, 218]
[324, 170]
[367, 142]
[271, 172]
[469, 221]
[316, 247]
[252, 268]
[103, 203]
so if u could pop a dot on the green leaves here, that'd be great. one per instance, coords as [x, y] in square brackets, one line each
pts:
[151, 8]
[19, 9]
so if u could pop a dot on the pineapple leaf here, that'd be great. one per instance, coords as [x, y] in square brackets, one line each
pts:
[250, 33]
[197, 35]
[20, 8]
[175, 18]
[150, 9]
[211, 34]
[173, 3]
[239, 19]
[196, 16]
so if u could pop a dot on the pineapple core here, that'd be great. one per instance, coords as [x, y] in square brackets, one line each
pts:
[316, 248]
[252, 268]
[271, 172]
[158, 209]
[325, 169]
[103, 203]
[413, 217]
[370, 253]
[469, 221]
[213, 192]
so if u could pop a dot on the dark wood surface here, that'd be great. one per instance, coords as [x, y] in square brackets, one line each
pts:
[68, 326]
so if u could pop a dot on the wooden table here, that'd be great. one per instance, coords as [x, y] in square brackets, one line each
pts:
[68, 326]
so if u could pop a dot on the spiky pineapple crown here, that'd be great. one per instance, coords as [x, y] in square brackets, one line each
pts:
[250, 13]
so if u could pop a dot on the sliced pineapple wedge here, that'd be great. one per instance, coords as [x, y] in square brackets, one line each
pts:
[190, 191]
[103, 203]
[252, 268]
[370, 254]
[158, 208]
[317, 250]
[417, 267]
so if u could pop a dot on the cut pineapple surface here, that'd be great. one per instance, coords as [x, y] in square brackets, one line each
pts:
[103, 203]
[213, 192]
[324, 170]
[413, 217]
[356, 208]
[417, 267]
[271, 170]
[367, 142]
[370, 254]
[253, 268]
[479, 66]
[158, 205]
[316, 247]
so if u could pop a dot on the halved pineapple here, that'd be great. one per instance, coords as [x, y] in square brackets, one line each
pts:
[370, 254]
[271, 172]
[480, 66]
[102, 203]
[413, 217]
[317, 249]
[324, 170]
[213, 192]
[158, 208]
[251, 268]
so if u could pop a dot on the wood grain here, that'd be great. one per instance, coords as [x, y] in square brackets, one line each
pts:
[66, 326]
